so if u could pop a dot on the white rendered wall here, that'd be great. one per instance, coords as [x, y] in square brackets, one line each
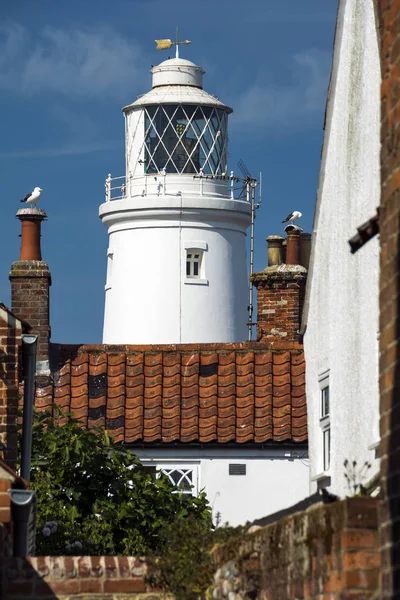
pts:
[149, 300]
[342, 323]
[273, 481]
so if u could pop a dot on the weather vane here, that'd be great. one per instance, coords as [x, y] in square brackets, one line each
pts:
[166, 44]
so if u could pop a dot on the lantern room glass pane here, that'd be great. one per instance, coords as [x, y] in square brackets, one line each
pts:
[185, 139]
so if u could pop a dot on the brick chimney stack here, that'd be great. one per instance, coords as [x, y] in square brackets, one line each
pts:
[30, 282]
[280, 290]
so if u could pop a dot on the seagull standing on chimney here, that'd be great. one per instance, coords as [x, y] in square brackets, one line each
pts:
[33, 197]
[293, 216]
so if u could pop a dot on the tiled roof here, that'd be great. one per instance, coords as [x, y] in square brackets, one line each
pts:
[204, 393]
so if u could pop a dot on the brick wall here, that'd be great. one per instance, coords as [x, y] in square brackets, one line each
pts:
[30, 283]
[389, 23]
[280, 297]
[330, 551]
[94, 577]
[10, 340]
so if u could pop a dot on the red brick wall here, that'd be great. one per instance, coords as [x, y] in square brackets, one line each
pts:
[10, 340]
[280, 297]
[95, 577]
[330, 552]
[389, 24]
[30, 283]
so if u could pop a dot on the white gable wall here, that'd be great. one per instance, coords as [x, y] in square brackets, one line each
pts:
[342, 313]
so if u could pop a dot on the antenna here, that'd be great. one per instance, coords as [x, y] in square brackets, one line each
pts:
[249, 186]
[250, 191]
[245, 172]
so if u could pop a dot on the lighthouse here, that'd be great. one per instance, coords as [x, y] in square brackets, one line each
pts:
[176, 257]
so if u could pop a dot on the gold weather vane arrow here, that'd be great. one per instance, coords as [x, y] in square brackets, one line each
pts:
[165, 44]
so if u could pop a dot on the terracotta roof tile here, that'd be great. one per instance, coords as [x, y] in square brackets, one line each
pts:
[201, 393]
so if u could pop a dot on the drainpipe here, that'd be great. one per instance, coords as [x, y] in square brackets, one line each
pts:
[29, 344]
[23, 502]
[23, 508]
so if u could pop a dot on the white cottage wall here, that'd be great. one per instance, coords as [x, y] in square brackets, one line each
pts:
[342, 314]
[275, 478]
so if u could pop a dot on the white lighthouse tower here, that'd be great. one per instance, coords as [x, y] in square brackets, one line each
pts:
[177, 270]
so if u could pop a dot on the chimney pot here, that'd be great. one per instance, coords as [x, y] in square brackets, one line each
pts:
[305, 249]
[31, 219]
[275, 250]
[293, 248]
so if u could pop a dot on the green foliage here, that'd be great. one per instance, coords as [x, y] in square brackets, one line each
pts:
[95, 498]
[184, 566]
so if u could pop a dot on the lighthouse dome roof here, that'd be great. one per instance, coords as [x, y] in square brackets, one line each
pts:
[177, 81]
[171, 62]
[177, 71]
[177, 94]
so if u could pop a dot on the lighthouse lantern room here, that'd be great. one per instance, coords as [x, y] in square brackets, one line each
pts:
[176, 270]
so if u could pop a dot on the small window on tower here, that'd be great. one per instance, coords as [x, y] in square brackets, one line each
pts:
[193, 263]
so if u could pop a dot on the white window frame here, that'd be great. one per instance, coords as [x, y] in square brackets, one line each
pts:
[323, 478]
[190, 248]
[110, 259]
[325, 420]
[167, 466]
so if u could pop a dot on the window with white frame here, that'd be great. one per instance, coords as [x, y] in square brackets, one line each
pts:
[184, 476]
[325, 420]
[193, 263]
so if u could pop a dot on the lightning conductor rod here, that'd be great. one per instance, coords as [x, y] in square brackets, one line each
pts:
[250, 194]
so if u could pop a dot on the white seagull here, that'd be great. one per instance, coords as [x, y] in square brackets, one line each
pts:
[293, 216]
[34, 197]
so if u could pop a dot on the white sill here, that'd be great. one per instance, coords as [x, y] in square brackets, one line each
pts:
[196, 281]
[320, 476]
[374, 446]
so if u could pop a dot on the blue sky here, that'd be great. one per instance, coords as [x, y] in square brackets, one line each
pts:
[67, 68]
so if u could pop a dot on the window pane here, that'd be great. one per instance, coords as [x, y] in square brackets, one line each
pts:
[181, 478]
[196, 269]
[327, 448]
[185, 139]
[187, 268]
[325, 402]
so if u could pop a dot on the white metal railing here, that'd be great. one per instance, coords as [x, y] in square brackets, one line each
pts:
[115, 192]
[117, 188]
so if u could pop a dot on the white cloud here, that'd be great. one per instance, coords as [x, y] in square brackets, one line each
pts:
[290, 105]
[72, 63]
[64, 149]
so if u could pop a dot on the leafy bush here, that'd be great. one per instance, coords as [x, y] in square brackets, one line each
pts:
[95, 498]
[184, 566]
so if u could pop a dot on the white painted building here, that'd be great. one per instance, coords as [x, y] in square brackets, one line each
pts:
[177, 270]
[341, 309]
[242, 484]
